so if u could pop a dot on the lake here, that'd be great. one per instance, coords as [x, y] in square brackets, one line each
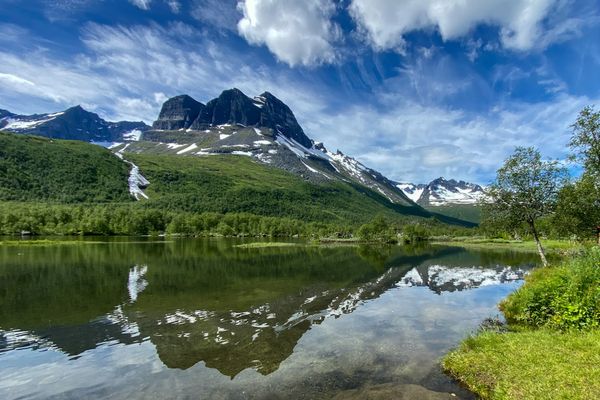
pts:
[206, 319]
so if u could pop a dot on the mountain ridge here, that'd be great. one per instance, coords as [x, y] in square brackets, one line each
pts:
[262, 129]
[74, 123]
[442, 191]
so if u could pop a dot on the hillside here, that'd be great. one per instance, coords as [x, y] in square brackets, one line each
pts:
[234, 154]
[38, 169]
[465, 212]
[236, 183]
[37, 175]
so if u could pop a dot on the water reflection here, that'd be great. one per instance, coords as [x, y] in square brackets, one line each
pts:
[230, 309]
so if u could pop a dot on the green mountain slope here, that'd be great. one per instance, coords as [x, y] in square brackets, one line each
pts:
[232, 183]
[50, 186]
[465, 212]
[39, 169]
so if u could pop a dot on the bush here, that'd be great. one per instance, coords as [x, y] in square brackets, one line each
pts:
[414, 233]
[564, 298]
[378, 230]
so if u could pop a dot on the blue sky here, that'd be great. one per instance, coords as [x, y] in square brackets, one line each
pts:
[415, 89]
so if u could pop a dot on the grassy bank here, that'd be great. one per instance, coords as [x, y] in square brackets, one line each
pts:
[262, 245]
[552, 246]
[539, 364]
[552, 347]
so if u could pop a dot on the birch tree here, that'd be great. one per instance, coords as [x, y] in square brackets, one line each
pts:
[525, 189]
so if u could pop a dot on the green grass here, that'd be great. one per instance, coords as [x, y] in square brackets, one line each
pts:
[40, 169]
[262, 245]
[552, 349]
[226, 183]
[552, 246]
[529, 365]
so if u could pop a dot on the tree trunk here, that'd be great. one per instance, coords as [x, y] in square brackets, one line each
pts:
[538, 243]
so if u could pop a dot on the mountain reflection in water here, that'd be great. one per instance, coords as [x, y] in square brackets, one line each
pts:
[208, 301]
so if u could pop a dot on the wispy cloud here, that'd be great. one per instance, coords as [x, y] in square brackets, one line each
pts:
[142, 4]
[411, 142]
[426, 113]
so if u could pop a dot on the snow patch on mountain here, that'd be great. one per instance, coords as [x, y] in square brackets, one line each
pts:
[189, 148]
[133, 135]
[443, 191]
[136, 181]
[19, 123]
[412, 191]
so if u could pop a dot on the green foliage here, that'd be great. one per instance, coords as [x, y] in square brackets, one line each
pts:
[378, 230]
[565, 297]
[465, 212]
[585, 140]
[413, 233]
[578, 208]
[39, 169]
[525, 189]
[131, 219]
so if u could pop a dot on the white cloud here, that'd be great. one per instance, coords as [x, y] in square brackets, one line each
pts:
[142, 4]
[174, 5]
[128, 72]
[10, 79]
[296, 32]
[385, 22]
[412, 142]
[221, 14]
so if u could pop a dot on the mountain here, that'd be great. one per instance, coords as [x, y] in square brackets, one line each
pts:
[231, 107]
[233, 154]
[441, 191]
[262, 128]
[74, 123]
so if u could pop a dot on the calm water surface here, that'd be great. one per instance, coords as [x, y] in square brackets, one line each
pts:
[204, 319]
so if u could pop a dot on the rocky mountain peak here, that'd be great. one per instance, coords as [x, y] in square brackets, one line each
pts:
[278, 116]
[442, 191]
[5, 113]
[178, 112]
[231, 107]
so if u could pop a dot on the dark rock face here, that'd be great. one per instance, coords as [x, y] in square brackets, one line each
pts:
[231, 107]
[4, 114]
[178, 113]
[74, 123]
[278, 116]
[453, 185]
[78, 124]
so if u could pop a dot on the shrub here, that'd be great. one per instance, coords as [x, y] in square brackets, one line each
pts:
[564, 298]
[378, 230]
[414, 233]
